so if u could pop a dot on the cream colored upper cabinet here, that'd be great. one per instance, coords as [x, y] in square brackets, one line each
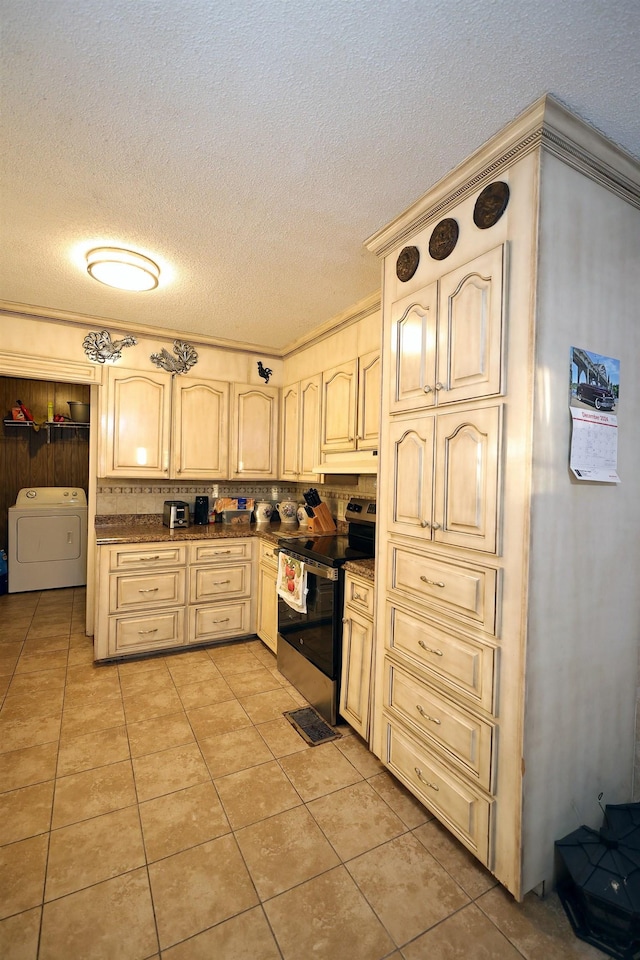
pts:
[446, 341]
[300, 429]
[254, 432]
[351, 405]
[200, 442]
[136, 424]
[470, 309]
[445, 478]
[289, 431]
[339, 406]
[369, 385]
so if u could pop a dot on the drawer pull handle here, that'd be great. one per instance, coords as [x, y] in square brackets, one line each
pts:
[225, 620]
[427, 783]
[432, 583]
[143, 632]
[145, 559]
[425, 715]
[217, 553]
[148, 590]
[438, 653]
[218, 583]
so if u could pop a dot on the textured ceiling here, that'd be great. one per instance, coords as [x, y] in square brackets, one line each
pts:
[251, 147]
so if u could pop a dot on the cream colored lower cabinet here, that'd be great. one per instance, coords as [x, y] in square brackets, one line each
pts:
[165, 596]
[267, 616]
[357, 652]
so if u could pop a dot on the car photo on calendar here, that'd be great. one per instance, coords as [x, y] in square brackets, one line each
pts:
[594, 381]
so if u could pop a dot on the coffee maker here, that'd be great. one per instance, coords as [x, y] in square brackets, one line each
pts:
[201, 511]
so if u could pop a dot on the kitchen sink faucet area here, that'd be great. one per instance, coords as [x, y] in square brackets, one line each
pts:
[164, 808]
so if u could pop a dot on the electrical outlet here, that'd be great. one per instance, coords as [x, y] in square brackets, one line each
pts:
[214, 491]
[274, 493]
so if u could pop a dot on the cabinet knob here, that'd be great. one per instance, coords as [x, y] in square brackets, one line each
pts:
[345, 620]
[439, 386]
[427, 783]
[427, 388]
[435, 525]
[432, 583]
[425, 523]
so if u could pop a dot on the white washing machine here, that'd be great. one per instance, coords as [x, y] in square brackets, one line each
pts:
[47, 539]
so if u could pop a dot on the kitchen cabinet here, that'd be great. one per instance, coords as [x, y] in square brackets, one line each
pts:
[445, 477]
[446, 338]
[300, 421]
[155, 425]
[357, 653]
[267, 617]
[503, 700]
[254, 433]
[351, 405]
[160, 596]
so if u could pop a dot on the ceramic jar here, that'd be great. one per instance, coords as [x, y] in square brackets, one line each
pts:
[303, 519]
[287, 510]
[263, 511]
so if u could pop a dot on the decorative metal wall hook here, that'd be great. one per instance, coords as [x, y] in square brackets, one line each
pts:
[264, 372]
[99, 347]
[185, 358]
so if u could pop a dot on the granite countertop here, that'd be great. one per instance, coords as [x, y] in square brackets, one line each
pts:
[150, 529]
[362, 568]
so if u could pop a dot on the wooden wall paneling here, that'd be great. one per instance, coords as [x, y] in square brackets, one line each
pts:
[26, 459]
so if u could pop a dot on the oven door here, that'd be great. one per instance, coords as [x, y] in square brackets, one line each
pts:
[315, 634]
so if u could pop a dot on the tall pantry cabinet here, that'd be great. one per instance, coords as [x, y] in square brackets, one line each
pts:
[507, 610]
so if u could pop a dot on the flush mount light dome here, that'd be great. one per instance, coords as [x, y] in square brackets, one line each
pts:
[122, 268]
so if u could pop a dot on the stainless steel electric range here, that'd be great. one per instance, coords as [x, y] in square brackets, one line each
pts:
[310, 642]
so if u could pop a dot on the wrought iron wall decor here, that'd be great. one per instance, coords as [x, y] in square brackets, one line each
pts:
[264, 372]
[491, 204]
[443, 238]
[99, 346]
[407, 263]
[185, 358]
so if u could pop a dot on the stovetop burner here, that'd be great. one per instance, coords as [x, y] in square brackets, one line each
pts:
[331, 550]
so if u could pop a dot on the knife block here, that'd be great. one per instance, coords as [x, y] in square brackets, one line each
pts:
[321, 521]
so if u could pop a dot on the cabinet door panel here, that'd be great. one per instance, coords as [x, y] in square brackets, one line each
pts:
[289, 432]
[200, 430]
[413, 350]
[310, 426]
[138, 424]
[254, 433]
[357, 643]
[411, 456]
[369, 382]
[470, 329]
[467, 478]
[339, 398]
[464, 810]
[268, 605]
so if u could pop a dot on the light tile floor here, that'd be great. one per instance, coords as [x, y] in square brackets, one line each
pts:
[165, 808]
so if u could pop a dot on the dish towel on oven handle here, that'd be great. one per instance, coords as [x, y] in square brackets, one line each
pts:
[291, 584]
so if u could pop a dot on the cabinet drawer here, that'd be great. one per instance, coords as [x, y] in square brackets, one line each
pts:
[462, 664]
[218, 551]
[219, 582]
[468, 739]
[151, 555]
[129, 592]
[462, 809]
[458, 589]
[267, 556]
[359, 594]
[219, 621]
[152, 632]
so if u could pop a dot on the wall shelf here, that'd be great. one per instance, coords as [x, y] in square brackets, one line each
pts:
[48, 425]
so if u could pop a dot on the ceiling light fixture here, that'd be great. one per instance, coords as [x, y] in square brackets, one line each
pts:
[122, 268]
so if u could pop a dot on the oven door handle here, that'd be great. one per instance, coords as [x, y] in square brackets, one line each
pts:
[317, 569]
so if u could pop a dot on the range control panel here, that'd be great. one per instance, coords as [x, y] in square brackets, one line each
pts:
[360, 510]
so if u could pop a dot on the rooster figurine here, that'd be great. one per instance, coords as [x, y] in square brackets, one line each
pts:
[100, 347]
[264, 372]
[185, 357]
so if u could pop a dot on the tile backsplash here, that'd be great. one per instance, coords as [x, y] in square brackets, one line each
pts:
[140, 497]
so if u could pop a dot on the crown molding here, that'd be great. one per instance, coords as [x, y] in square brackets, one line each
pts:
[359, 311]
[546, 125]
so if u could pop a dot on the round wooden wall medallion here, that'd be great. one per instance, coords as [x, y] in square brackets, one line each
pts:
[444, 238]
[491, 204]
[407, 263]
